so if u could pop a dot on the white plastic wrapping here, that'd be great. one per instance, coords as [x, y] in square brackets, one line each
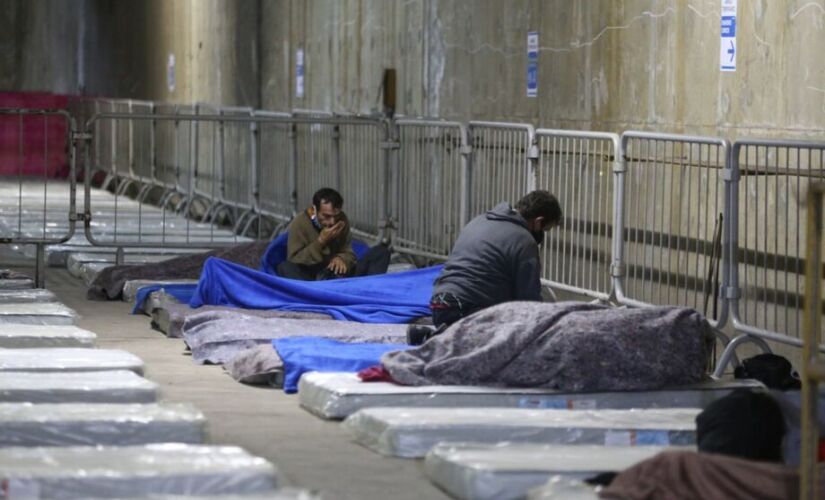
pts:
[411, 432]
[83, 424]
[279, 494]
[76, 261]
[89, 271]
[118, 386]
[33, 336]
[49, 313]
[26, 296]
[16, 284]
[560, 488]
[133, 471]
[502, 472]
[68, 359]
[338, 395]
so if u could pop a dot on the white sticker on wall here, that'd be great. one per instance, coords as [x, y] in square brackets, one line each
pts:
[170, 73]
[727, 38]
[299, 73]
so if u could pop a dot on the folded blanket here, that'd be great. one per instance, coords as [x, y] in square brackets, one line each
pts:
[257, 365]
[568, 346]
[385, 298]
[218, 340]
[305, 354]
[109, 283]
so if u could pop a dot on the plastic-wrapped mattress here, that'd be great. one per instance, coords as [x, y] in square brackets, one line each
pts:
[502, 472]
[12, 280]
[48, 313]
[76, 261]
[26, 296]
[83, 424]
[338, 395]
[411, 432]
[133, 471]
[131, 287]
[279, 494]
[30, 336]
[76, 387]
[559, 488]
[68, 359]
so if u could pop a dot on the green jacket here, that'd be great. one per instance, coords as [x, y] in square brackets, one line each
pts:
[303, 247]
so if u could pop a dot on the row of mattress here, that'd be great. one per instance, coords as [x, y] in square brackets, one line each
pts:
[81, 422]
[500, 443]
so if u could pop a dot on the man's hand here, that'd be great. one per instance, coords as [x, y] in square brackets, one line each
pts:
[330, 234]
[337, 266]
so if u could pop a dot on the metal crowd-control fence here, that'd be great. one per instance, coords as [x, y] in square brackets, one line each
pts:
[503, 164]
[174, 151]
[276, 176]
[671, 223]
[578, 167]
[119, 221]
[430, 200]
[813, 368]
[768, 235]
[36, 147]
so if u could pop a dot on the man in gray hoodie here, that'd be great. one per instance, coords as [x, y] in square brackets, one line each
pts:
[495, 259]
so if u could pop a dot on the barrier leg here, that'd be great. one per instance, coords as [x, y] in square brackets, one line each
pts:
[40, 266]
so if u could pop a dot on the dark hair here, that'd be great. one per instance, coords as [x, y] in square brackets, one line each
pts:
[327, 195]
[540, 203]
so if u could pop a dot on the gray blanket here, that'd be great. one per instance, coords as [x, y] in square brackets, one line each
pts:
[258, 365]
[218, 340]
[170, 315]
[109, 283]
[568, 346]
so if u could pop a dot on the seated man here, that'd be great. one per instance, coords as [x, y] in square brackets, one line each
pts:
[319, 245]
[495, 259]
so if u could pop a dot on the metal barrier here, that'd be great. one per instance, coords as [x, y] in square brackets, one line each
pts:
[578, 167]
[174, 147]
[768, 235]
[503, 164]
[35, 208]
[813, 368]
[431, 200]
[276, 176]
[673, 215]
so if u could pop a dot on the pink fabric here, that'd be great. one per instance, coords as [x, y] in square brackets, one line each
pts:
[33, 145]
[375, 373]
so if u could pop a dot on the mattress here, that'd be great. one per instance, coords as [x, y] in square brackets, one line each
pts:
[29, 336]
[502, 472]
[338, 395]
[279, 494]
[76, 261]
[559, 488]
[83, 424]
[131, 287]
[49, 313]
[68, 359]
[26, 296]
[411, 432]
[16, 283]
[58, 255]
[117, 386]
[115, 472]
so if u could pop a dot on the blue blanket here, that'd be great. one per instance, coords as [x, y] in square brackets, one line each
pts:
[318, 354]
[274, 255]
[384, 298]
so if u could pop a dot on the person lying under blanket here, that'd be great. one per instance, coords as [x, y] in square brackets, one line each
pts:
[319, 245]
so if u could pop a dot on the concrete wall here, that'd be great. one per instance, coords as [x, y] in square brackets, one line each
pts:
[603, 64]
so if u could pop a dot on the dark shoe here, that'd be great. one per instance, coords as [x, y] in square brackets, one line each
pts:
[418, 334]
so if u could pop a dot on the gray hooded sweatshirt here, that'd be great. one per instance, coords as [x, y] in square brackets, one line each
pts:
[494, 260]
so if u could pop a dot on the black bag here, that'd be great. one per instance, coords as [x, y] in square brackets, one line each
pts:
[772, 370]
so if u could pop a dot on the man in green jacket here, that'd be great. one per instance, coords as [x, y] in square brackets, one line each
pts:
[319, 245]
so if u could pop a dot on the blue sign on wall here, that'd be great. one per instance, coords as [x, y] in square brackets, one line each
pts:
[532, 64]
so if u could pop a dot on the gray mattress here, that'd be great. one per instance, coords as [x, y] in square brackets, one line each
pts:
[30, 336]
[338, 395]
[76, 387]
[412, 432]
[134, 471]
[68, 359]
[509, 472]
[83, 424]
[47, 313]
[13, 280]
[26, 296]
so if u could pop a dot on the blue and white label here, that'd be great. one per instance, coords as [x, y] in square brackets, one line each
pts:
[532, 64]
[170, 73]
[727, 38]
[299, 73]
